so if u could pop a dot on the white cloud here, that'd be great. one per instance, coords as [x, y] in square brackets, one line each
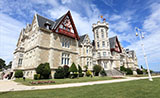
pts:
[9, 32]
[83, 23]
[151, 43]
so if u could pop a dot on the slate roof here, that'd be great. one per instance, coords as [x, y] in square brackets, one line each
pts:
[112, 42]
[82, 38]
[42, 20]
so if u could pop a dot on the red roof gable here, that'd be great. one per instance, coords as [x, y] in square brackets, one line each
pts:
[67, 32]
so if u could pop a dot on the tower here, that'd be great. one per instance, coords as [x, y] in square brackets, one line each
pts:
[102, 45]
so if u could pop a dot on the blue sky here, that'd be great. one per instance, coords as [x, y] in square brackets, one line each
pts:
[122, 15]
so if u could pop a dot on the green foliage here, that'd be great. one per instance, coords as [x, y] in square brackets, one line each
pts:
[59, 74]
[66, 71]
[72, 76]
[97, 69]
[139, 71]
[2, 63]
[88, 73]
[86, 68]
[79, 69]
[81, 74]
[36, 76]
[141, 67]
[18, 74]
[73, 68]
[103, 73]
[44, 70]
[129, 71]
[122, 68]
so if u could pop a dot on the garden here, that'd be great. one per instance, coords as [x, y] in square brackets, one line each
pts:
[66, 74]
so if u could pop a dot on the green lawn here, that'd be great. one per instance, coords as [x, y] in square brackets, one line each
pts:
[131, 89]
[62, 81]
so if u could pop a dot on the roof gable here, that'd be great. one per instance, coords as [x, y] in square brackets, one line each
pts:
[66, 26]
[114, 44]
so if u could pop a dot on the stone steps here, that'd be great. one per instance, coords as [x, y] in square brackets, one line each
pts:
[114, 72]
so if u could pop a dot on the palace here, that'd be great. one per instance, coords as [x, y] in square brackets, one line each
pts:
[58, 43]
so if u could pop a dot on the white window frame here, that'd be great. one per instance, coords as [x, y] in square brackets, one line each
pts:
[65, 59]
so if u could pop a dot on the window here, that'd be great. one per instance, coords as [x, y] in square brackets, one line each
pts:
[106, 34]
[98, 44]
[103, 43]
[102, 30]
[104, 53]
[65, 59]
[102, 35]
[21, 55]
[87, 62]
[87, 50]
[97, 33]
[99, 54]
[20, 62]
[107, 43]
[65, 43]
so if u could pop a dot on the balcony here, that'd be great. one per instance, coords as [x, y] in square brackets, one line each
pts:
[67, 33]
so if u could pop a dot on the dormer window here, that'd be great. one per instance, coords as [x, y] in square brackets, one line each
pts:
[47, 25]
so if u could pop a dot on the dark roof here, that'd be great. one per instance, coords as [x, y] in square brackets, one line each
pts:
[82, 38]
[58, 21]
[53, 24]
[112, 42]
[42, 20]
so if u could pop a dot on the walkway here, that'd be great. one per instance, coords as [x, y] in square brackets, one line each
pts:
[9, 85]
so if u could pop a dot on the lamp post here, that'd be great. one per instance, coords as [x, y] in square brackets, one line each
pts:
[138, 32]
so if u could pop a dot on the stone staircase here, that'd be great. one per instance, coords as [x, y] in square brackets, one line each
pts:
[114, 72]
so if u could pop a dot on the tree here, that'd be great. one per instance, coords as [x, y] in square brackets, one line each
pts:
[44, 70]
[2, 64]
[79, 69]
[66, 71]
[59, 74]
[73, 68]
[103, 73]
[97, 69]
[9, 65]
[18, 74]
[122, 68]
[141, 67]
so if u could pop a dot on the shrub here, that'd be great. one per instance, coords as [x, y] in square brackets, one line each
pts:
[103, 73]
[129, 71]
[74, 75]
[73, 68]
[36, 76]
[139, 71]
[44, 70]
[59, 74]
[81, 74]
[79, 69]
[86, 68]
[66, 71]
[97, 69]
[88, 73]
[122, 68]
[18, 74]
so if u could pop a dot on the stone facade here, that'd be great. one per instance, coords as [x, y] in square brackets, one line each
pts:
[57, 42]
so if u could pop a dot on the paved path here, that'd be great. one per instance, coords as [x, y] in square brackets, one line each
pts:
[9, 85]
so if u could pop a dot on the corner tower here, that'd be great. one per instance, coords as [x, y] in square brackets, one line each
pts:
[102, 45]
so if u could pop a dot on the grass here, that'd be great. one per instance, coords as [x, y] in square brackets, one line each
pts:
[131, 89]
[63, 81]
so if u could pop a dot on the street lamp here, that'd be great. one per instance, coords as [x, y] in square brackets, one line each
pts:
[138, 32]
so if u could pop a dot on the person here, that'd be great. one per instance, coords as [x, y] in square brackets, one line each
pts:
[24, 78]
